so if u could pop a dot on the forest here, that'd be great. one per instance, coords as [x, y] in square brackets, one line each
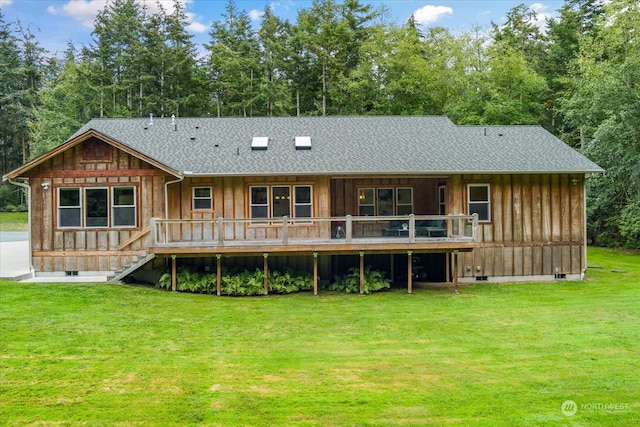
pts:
[579, 77]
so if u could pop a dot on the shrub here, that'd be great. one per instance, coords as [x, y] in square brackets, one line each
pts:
[245, 283]
[350, 283]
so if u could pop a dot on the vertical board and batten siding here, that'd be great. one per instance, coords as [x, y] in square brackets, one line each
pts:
[536, 227]
[231, 200]
[57, 249]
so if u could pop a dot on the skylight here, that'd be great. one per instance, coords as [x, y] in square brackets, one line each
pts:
[303, 142]
[259, 142]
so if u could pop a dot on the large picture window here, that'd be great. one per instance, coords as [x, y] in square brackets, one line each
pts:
[385, 201]
[96, 207]
[277, 201]
[479, 201]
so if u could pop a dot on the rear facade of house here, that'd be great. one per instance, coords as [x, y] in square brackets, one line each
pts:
[417, 197]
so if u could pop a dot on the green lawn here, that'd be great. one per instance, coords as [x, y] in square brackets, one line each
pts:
[494, 355]
[13, 221]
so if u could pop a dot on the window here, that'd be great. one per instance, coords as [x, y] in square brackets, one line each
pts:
[276, 201]
[69, 211]
[124, 207]
[92, 207]
[366, 202]
[404, 201]
[385, 201]
[202, 199]
[96, 211]
[302, 207]
[259, 202]
[442, 201]
[281, 203]
[479, 201]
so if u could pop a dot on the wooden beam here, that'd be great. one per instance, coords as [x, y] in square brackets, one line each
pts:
[266, 273]
[455, 271]
[173, 273]
[135, 237]
[361, 273]
[315, 273]
[409, 272]
[218, 274]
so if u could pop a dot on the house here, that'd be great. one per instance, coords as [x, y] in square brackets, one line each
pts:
[418, 197]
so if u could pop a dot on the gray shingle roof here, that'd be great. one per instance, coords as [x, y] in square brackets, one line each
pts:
[343, 145]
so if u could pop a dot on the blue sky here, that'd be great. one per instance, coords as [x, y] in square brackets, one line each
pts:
[55, 22]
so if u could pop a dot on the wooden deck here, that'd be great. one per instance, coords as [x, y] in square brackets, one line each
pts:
[338, 235]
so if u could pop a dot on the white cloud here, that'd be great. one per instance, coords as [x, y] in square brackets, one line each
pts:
[255, 14]
[5, 2]
[429, 14]
[542, 16]
[85, 11]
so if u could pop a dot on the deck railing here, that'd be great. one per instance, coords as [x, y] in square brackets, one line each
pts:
[317, 230]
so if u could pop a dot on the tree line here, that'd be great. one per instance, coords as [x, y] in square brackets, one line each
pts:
[579, 77]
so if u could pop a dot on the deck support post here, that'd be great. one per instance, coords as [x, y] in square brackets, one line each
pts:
[409, 272]
[361, 273]
[266, 273]
[173, 273]
[315, 273]
[218, 274]
[348, 229]
[455, 271]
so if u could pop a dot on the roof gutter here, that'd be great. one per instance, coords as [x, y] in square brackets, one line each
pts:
[28, 188]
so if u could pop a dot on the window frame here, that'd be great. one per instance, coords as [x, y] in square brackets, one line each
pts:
[195, 198]
[115, 206]
[87, 211]
[270, 203]
[486, 202]
[83, 209]
[375, 205]
[442, 199]
[69, 207]
[398, 204]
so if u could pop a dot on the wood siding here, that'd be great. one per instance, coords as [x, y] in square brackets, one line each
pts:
[91, 164]
[536, 228]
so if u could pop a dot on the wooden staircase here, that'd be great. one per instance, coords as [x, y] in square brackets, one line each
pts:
[136, 263]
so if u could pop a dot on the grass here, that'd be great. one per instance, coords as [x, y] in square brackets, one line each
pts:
[75, 354]
[13, 221]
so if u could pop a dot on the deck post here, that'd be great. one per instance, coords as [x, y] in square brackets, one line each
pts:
[348, 229]
[455, 271]
[220, 230]
[218, 274]
[412, 229]
[285, 228]
[361, 273]
[173, 273]
[266, 273]
[409, 272]
[154, 232]
[315, 273]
